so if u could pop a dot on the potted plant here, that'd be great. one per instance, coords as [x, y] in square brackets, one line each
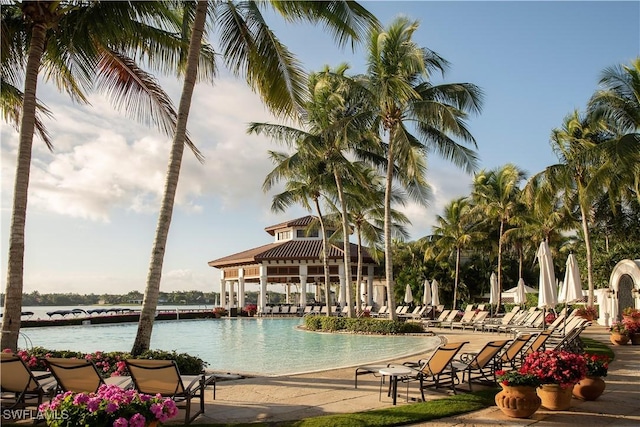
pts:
[631, 314]
[558, 371]
[518, 398]
[587, 312]
[109, 406]
[619, 333]
[592, 386]
[633, 330]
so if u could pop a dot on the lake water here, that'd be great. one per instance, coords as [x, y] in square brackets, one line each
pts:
[260, 346]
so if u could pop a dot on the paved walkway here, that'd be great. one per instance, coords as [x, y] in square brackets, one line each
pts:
[332, 392]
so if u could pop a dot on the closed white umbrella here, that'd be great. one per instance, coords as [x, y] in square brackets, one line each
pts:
[572, 284]
[547, 296]
[562, 292]
[494, 293]
[435, 299]
[408, 295]
[426, 296]
[494, 297]
[520, 296]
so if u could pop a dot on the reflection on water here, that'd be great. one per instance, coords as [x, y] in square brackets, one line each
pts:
[268, 346]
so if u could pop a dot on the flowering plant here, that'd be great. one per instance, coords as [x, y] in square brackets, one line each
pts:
[549, 318]
[631, 326]
[587, 312]
[619, 328]
[110, 406]
[555, 367]
[516, 378]
[597, 365]
[631, 312]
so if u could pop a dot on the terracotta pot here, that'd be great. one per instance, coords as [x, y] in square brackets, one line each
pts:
[589, 388]
[518, 401]
[618, 339]
[554, 397]
[635, 339]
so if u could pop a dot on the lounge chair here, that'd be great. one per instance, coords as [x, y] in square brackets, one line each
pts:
[478, 318]
[538, 343]
[441, 318]
[380, 313]
[494, 323]
[482, 365]
[513, 352]
[466, 318]
[437, 370]
[80, 375]
[20, 385]
[163, 377]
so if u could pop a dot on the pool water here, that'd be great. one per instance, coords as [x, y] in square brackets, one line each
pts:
[256, 346]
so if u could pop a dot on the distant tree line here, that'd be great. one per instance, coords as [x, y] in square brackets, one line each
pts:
[36, 298]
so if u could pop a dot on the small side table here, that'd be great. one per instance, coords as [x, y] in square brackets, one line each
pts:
[393, 372]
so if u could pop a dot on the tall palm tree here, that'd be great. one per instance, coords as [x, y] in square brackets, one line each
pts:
[249, 48]
[335, 126]
[619, 102]
[496, 193]
[397, 78]
[455, 231]
[573, 177]
[306, 178]
[80, 46]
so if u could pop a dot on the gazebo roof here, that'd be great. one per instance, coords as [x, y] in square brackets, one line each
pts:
[290, 250]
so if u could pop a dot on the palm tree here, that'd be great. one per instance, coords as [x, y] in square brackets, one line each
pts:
[95, 55]
[397, 79]
[619, 103]
[336, 125]
[573, 176]
[455, 231]
[248, 48]
[496, 194]
[306, 178]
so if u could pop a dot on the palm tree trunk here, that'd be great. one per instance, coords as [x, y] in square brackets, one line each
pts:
[455, 286]
[587, 243]
[325, 258]
[15, 269]
[359, 271]
[345, 244]
[388, 259]
[500, 265]
[150, 302]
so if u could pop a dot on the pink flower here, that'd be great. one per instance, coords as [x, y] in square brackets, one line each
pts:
[137, 420]
[121, 422]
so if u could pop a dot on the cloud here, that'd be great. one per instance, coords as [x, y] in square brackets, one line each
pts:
[104, 161]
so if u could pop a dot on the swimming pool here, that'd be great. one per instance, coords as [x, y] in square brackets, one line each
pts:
[256, 346]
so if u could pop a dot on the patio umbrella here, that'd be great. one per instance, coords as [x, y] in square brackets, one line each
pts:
[572, 287]
[547, 297]
[520, 296]
[426, 296]
[494, 297]
[408, 295]
[435, 298]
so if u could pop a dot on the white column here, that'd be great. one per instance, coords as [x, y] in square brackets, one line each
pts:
[370, 285]
[241, 288]
[232, 294]
[287, 293]
[303, 287]
[223, 290]
[262, 304]
[343, 285]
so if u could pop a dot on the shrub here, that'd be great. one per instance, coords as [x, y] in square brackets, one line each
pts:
[365, 325]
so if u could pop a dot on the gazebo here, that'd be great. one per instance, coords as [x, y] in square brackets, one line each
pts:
[294, 258]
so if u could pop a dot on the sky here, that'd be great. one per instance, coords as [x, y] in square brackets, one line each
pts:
[94, 201]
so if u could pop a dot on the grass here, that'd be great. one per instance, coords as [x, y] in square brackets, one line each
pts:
[592, 346]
